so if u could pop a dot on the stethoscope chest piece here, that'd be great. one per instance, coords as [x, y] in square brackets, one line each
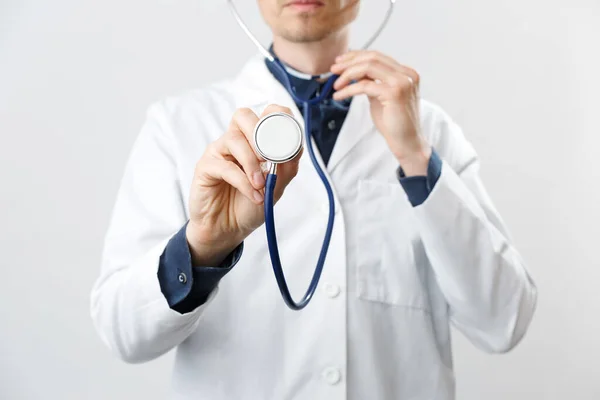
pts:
[278, 137]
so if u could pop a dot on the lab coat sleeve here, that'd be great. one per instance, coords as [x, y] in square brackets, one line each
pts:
[490, 294]
[128, 309]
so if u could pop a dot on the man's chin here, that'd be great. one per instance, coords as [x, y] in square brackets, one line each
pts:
[305, 32]
[304, 37]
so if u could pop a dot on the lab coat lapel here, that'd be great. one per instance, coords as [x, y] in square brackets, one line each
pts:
[357, 125]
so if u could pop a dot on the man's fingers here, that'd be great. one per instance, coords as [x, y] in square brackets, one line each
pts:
[369, 69]
[274, 108]
[237, 143]
[355, 57]
[364, 86]
[358, 57]
[415, 78]
[348, 56]
[244, 120]
[224, 170]
[234, 145]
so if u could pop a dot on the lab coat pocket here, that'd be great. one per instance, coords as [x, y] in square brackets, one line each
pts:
[391, 266]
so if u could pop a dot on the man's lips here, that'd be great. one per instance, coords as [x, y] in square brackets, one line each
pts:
[305, 5]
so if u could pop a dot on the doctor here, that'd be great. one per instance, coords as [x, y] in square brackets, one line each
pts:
[417, 244]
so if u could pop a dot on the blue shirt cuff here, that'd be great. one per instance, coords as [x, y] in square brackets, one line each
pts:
[418, 188]
[184, 286]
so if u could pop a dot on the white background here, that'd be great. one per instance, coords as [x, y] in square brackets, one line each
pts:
[521, 77]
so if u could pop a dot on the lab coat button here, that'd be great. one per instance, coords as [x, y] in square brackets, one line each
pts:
[332, 375]
[182, 278]
[331, 290]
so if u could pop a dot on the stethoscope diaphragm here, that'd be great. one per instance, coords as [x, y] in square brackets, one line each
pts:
[278, 137]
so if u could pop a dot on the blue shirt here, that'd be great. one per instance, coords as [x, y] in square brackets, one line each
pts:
[186, 286]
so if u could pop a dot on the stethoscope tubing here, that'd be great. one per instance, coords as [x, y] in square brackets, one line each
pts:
[269, 204]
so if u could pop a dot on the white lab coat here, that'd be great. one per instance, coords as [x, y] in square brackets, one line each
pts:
[395, 276]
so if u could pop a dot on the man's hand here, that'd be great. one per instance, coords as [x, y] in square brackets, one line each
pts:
[226, 199]
[393, 91]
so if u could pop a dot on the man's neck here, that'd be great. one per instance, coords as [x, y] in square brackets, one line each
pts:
[313, 58]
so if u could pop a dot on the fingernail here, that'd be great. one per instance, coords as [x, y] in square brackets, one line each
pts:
[258, 196]
[259, 179]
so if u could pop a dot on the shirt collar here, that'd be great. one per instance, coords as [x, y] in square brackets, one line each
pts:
[304, 88]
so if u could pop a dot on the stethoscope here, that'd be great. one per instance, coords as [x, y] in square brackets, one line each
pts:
[278, 138]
